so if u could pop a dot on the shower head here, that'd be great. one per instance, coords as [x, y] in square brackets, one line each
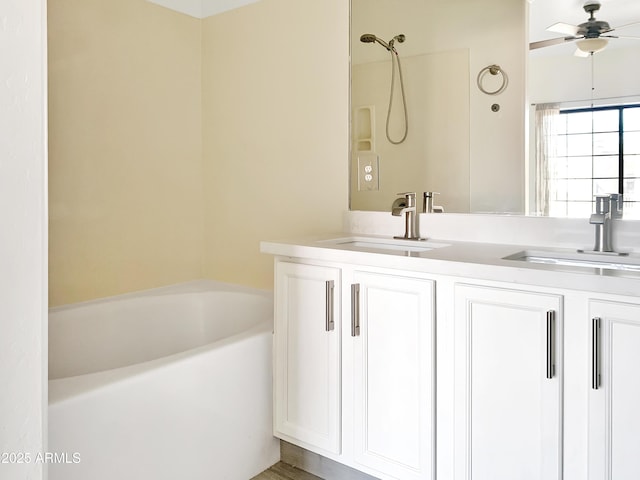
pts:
[371, 38]
[368, 38]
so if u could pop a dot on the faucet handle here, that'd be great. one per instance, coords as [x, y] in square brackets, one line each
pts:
[602, 204]
[427, 201]
[616, 205]
[411, 198]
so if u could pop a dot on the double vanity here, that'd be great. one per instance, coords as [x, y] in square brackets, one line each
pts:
[458, 360]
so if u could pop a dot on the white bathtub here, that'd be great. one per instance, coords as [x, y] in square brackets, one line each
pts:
[171, 383]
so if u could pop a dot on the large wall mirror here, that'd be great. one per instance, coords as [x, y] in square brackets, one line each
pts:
[475, 137]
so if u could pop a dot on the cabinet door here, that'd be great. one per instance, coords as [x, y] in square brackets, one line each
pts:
[614, 398]
[307, 356]
[394, 375]
[508, 379]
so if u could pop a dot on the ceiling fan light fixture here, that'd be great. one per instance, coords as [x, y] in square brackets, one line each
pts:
[592, 45]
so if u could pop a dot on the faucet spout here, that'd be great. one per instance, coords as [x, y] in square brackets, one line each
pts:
[400, 207]
[604, 226]
[603, 232]
[608, 208]
[407, 206]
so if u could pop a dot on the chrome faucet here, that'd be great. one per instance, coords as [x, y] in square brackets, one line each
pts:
[608, 207]
[616, 204]
[427, 203]
[407, 205]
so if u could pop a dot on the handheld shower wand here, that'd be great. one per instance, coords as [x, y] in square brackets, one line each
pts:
[395, 58]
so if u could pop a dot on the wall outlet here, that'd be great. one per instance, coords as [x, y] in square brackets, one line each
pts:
[368, 167]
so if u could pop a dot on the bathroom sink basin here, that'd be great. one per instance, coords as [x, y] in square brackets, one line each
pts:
[604, 261]
[389, 244]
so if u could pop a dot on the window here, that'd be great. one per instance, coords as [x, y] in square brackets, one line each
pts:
[596, 151]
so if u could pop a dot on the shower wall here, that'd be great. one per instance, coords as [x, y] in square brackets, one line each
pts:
[177, 144]
[275, 130]
[125, 149]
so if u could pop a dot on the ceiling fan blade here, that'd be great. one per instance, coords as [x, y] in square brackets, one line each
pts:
[550, 42]
[625, 37]
[627, 25]
[565, 28]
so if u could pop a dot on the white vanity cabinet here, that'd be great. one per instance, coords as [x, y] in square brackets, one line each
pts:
[508, 384]
[307, 367]
[393, 374]
[536, 376]
[614, 391]
[382, 342]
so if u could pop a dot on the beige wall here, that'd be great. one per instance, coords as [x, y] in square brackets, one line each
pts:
[275, 130]
[125, 148]
[178, 144]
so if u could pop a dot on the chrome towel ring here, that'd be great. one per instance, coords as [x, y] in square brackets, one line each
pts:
[493, 70]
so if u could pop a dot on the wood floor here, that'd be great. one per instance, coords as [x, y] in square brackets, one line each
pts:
[283, 471]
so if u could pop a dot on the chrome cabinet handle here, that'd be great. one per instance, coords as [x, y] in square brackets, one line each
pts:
[355, 309]
[551, 344]
[329, 322]
[595, 353]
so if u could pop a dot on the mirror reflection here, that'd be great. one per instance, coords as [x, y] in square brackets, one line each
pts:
[410, 108]
[470, 146]
[585, 99]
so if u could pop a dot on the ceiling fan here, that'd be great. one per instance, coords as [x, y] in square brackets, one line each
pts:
[589, 36]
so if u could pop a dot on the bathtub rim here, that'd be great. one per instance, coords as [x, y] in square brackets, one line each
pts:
[69, 388]
[191, 286]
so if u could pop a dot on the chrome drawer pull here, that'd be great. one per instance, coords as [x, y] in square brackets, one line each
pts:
[355, 309]
[595, 353]
[551, 344]
[329, 289]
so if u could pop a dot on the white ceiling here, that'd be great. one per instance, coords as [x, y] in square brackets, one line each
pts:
[202, 8]
[544, 13]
